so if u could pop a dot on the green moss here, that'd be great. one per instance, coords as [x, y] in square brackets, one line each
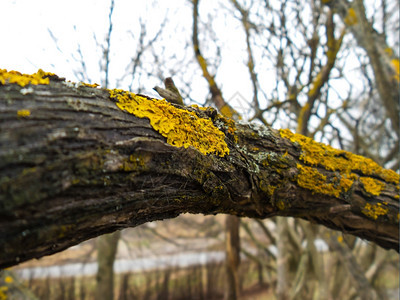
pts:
[182, 128]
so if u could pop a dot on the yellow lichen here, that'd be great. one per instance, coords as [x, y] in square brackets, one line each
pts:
[396, 65]
[8, 279]
[347, 164]
[347, 181]
[318, 154]
[311, 179]
[182, 128]
[372, 185]
[351, 17]
[281, 205]
[24, 79]
[389, 51]
[23, 113]
[93, 85]
[374, 210]
[3, 292]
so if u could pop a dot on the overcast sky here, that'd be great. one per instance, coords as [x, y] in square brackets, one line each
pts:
[47, 33]
[28, 44]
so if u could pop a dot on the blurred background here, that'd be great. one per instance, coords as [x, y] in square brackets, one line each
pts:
[325, 69]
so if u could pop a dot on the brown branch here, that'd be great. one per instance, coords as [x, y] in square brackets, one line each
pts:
[250, 59]
[215, 91]
[379, 53]
[322, 77]
[73, 166]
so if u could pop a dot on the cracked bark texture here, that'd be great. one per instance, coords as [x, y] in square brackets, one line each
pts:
[78, 167]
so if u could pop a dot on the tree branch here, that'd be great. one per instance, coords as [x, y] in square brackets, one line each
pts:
[383, 60]
[74, 164]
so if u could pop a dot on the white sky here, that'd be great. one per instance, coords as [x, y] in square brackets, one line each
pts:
[28, 46]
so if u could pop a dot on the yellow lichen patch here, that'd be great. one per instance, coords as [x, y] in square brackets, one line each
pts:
[24, 79]
[396, 66]
[231, 127]
[346, 183]
[281, 205]
[182, 128]
[309, 178]
[23, 113]
[8, 279]
[318, 154]
[3, 292]
[388, 51]
[93, 85]
[372, 185]
[374, 210]
[230, 124]
[351, 17]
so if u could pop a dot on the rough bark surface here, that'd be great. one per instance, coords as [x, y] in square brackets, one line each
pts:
[77, 166]
[107, 246]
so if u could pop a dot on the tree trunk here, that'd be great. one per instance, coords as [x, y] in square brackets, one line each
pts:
[232, 260]
[282, 268]
[107, 246]
[74, 165]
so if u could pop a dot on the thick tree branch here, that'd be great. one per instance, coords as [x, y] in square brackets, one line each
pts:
[74, 165]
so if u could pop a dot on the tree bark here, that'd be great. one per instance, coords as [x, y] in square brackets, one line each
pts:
[107, 246]
[232, 261]
[73, 165]
[282, 269]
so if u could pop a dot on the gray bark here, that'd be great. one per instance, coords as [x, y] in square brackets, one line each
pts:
[78, 167]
